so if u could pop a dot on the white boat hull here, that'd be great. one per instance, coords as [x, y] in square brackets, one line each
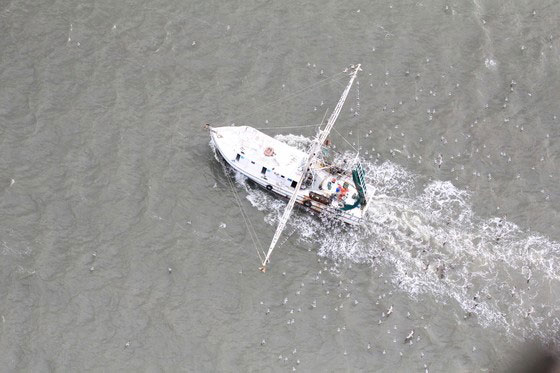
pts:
[278, 185]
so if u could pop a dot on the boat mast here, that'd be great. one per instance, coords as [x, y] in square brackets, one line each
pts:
[311, 157]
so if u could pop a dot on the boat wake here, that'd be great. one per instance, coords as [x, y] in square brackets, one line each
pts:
[430, 242]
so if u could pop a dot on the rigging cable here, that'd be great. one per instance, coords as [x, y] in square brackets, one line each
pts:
[295, 94]
[348, 142]
[287, 127]
[248, 224]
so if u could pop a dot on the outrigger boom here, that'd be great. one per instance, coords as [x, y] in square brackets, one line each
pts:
[315, 150]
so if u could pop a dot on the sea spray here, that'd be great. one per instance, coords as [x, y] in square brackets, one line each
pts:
[431, 242]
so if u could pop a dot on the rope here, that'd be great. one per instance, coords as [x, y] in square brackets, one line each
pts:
[304, 126]
[250, 228]
[348, 142]
[295, 94]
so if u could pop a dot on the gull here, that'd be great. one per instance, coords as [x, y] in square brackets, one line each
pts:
[409, 336]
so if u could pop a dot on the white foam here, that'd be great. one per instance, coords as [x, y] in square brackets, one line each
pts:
[490, 63]
[433, 243]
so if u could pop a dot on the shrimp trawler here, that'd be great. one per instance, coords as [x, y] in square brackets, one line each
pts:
[307, 178]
